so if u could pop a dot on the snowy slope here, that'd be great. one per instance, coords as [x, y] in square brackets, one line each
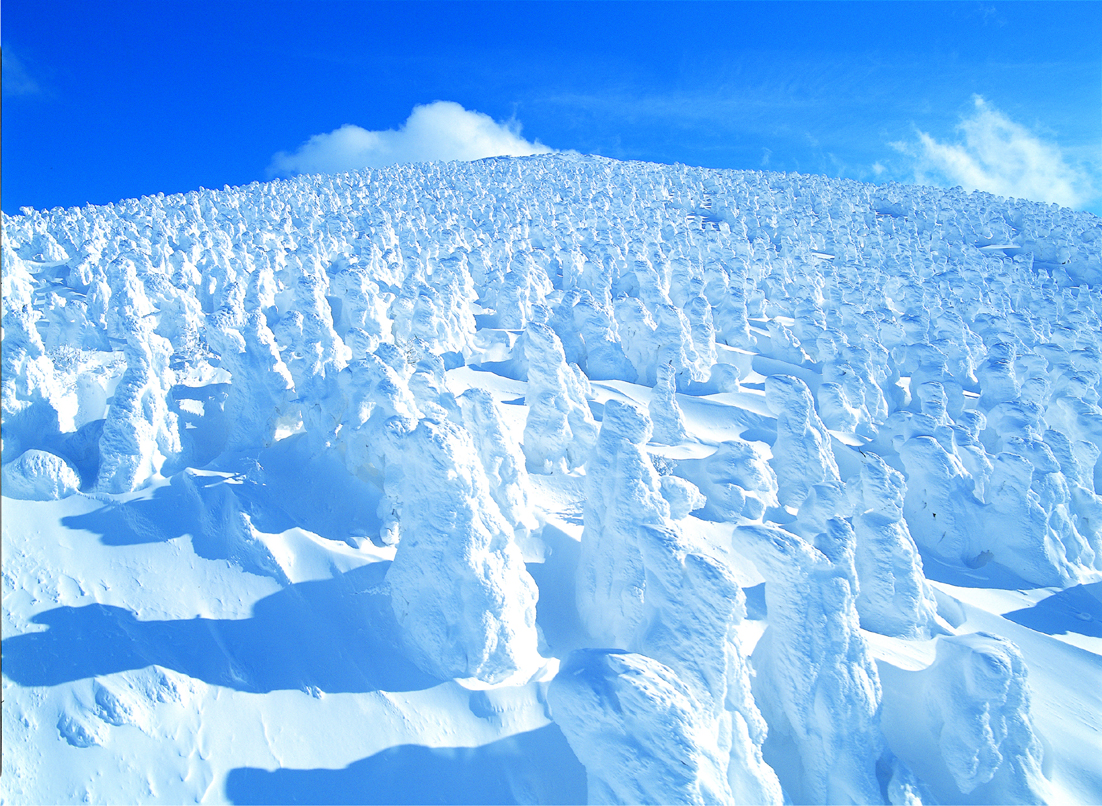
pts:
[553, 480]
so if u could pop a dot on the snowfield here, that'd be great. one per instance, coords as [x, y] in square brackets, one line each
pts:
[553, 480]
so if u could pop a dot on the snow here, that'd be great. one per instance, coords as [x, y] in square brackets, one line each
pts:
[464, 602]
[560, 431]
[976, 724]
[552, 480]
[40, 476]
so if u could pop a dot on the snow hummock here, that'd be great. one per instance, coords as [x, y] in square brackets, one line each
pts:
[544, 479]
[40, 476]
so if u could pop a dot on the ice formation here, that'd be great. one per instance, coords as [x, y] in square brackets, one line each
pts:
[974, 723]
[665, 413]
[816, 683]
[894, 597]
[641, 589]
[682, 496]
[645, 388]
[465, 602]
[635, 726]
[736, 481]
[802, 454]
[629, 541]
[560, 429]
[501, 459]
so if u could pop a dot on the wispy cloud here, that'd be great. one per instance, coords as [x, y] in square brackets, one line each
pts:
[442, 130]
[17, 80]
[997, 155]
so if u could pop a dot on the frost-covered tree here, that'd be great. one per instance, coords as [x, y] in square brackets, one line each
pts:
[665, 412]
[501, 458]
[816, 683]
[802, 454]
[458, 585]
[560, 430]
[894, 597]
[641, 588]
[140, 432]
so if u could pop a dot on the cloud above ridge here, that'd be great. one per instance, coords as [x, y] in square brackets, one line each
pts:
[999, 156]
[442, 130]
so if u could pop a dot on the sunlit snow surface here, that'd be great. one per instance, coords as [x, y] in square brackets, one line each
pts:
[548, 480]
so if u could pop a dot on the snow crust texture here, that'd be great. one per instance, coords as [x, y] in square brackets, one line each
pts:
[572, 413]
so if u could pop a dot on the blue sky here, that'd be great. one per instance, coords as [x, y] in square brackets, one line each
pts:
[110, 100]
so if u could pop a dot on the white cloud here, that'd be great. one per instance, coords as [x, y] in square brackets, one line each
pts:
[1001, 157]
[17, 81]
[442, 130]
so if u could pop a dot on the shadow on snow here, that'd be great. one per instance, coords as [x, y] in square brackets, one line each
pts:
[285, 486]
[533, 767]
[338, 635]
[1077, 609]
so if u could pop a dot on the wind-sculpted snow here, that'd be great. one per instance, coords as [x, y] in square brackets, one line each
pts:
[802, 455]
[641, 589]
[635, 726]
[975, 723]
[458, 585]
[501, 459]
[894, 597]
[816, 682]
[560, 430]
[40, 476]
[665, 412]
[736, 481]
[627, 523]
[655, 385]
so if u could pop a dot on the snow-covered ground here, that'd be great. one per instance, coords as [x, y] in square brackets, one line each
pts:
[553, 480]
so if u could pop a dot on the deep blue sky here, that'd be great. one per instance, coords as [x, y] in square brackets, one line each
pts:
[107, 100]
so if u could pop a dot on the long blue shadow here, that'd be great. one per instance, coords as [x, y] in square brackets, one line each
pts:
[292, 483]
[1077, 609]
[195, 506]
[533, 767]
[338, 635]
[556, 611]
[169, 513]
[286, 486]
[990, 576]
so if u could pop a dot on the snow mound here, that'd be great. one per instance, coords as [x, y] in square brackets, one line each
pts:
[633, 723]
[39, 476]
